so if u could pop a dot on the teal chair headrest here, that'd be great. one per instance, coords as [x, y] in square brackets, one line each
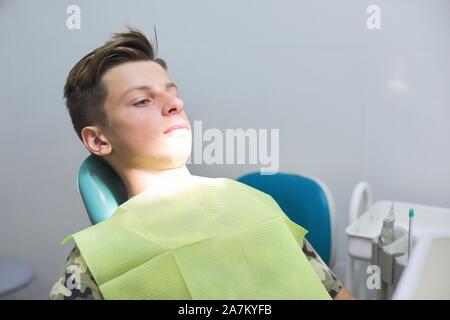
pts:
[101, 188]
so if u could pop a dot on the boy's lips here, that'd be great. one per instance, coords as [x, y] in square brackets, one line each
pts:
[177, 126]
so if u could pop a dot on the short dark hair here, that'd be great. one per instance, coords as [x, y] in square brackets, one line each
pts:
[85, 92]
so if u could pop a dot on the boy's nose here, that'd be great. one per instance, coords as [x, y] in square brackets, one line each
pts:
[173, 105]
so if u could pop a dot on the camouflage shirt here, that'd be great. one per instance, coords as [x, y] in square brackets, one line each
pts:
[76, 282]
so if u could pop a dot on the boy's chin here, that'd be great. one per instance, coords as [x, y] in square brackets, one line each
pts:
[178, 160]
[179, 152]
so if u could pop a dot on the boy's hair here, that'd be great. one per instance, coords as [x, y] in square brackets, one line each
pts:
[85, 92]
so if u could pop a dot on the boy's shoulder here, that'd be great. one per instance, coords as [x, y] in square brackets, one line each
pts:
[329, 280]
[75, 281]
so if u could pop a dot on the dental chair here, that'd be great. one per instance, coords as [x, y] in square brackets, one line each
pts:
[306, 200]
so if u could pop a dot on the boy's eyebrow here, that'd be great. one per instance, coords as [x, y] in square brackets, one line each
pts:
[168, 86]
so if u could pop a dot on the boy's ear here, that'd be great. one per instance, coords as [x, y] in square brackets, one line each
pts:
[95, 141]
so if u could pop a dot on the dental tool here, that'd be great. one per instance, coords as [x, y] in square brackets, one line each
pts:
[411, 216]
[387, 232]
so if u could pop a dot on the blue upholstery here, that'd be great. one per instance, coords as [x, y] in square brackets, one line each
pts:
[304, 201]
[101, 189]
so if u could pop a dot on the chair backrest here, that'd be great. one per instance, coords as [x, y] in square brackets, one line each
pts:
[307, 201]
[101, 189]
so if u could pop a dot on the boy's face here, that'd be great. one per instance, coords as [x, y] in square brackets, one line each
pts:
[139, 118]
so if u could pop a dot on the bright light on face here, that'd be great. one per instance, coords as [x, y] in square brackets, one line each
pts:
[142, 104]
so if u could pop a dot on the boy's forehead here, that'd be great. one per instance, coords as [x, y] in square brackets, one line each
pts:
[133, 74]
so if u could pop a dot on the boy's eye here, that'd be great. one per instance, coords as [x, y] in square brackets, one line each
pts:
[141, 103]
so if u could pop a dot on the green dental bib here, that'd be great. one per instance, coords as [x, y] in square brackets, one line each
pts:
[213, 238]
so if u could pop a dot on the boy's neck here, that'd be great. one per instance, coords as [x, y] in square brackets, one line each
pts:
[137, 180]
